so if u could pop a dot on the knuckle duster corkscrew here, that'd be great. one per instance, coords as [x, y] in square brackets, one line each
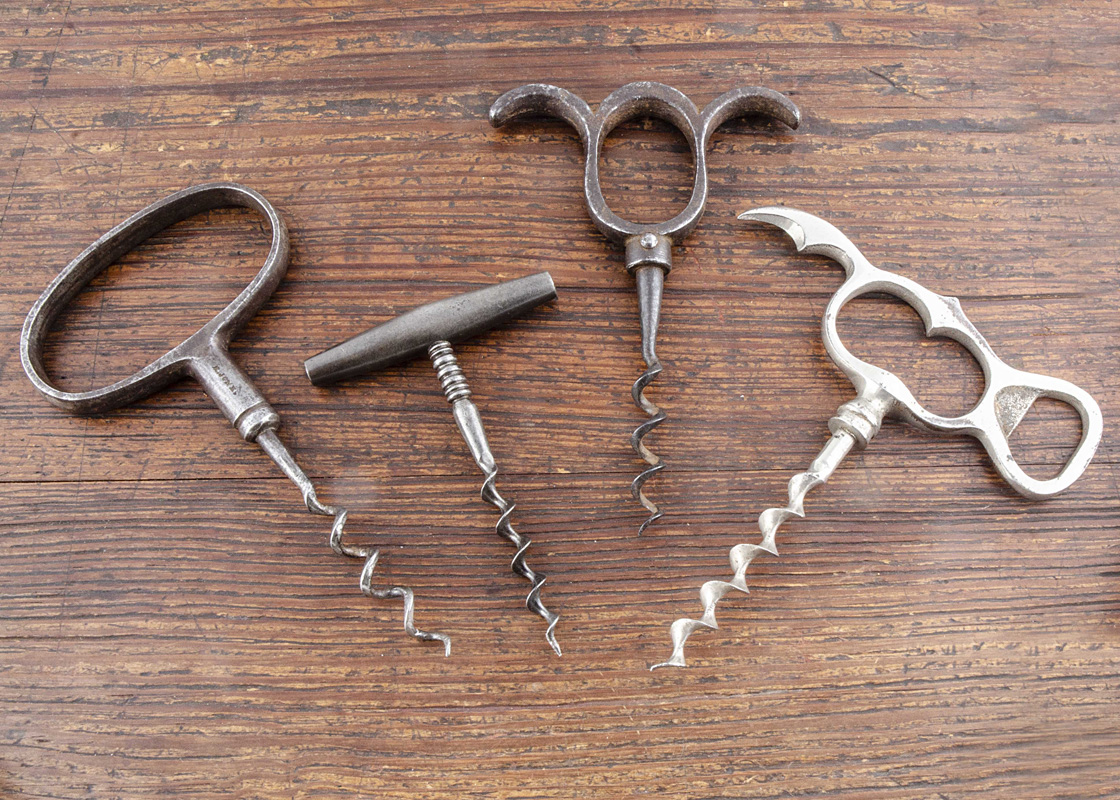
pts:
[1007, 397]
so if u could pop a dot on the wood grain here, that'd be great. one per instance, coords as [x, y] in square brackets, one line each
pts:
[173, 624]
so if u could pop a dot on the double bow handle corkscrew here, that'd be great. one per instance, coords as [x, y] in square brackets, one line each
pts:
[648, 245]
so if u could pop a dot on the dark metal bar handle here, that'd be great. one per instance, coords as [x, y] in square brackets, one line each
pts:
[453, 319]
[203, 355]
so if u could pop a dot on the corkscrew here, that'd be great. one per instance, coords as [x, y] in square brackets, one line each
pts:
[648, 246]
[203, 356]
[432, 328]
[1008, 395]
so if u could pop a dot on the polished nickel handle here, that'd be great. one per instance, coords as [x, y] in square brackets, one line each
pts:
[1008, 392]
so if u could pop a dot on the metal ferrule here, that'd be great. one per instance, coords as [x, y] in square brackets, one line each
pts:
[861, 418]
[649, 249]
[233, 392]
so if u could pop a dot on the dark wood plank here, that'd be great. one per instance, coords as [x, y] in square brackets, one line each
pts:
[172, 623]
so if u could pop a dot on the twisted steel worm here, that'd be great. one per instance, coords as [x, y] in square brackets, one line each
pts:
[657, 416]
[365, 580]
[518, 565]
[271, 444]
[458, 394]
[742, 555]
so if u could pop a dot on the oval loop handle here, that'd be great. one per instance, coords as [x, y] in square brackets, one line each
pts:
[180, 360]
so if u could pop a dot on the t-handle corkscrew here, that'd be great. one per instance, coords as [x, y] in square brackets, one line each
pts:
[1008, 395]
[203, 356]
[432, 328]
[648, 246]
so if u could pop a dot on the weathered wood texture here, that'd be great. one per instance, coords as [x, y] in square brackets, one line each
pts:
[172, 624]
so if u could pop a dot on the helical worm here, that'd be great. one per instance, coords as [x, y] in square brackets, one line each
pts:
[656, 464]
[271, 444]
[742, 555]
[458, 394]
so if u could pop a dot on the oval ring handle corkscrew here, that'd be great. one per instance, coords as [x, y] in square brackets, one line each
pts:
[204, 355]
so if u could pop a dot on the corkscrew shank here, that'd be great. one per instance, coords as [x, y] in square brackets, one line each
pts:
[458, 394]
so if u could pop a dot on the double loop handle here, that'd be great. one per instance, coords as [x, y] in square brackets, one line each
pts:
[642, 99]
[204, 355]
[1008, 393]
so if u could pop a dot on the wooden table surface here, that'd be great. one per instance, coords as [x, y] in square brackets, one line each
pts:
[173, 623]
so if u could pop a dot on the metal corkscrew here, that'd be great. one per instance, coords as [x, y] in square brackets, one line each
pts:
[203, 356]
[648, 246]
[1008, 395]
[432, 329]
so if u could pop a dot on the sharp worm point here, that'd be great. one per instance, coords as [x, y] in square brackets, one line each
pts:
[504, 528]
